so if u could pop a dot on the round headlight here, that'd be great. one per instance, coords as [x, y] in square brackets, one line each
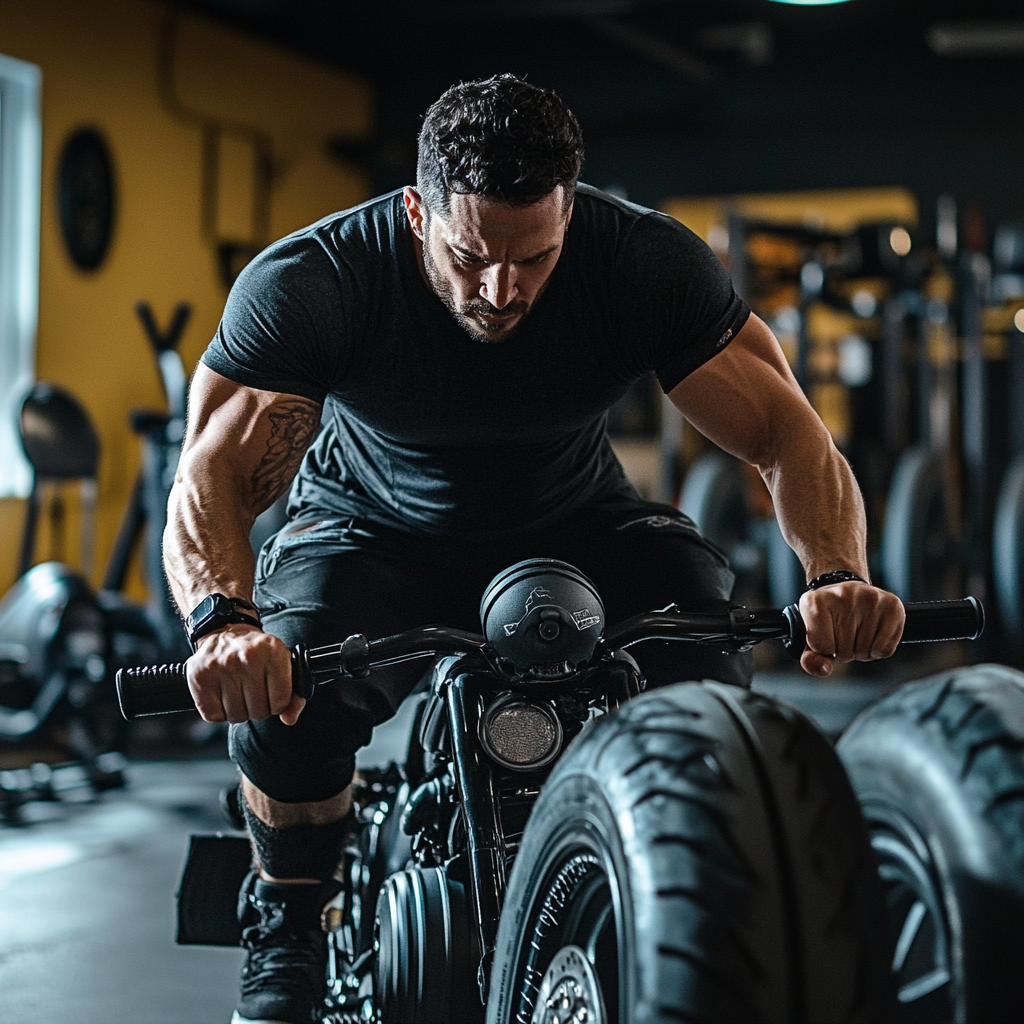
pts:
[521, 734]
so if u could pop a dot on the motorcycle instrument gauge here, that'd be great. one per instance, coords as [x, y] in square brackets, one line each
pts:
[543, 618]
[520, 734]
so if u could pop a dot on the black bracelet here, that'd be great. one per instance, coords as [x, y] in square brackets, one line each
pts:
[835, 576]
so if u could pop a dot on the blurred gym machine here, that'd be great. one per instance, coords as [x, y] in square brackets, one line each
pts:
[921, 536]
[838, 302]
[58, 706]
[142, 636]
[1000, 343]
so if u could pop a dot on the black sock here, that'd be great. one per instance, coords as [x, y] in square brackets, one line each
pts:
[302, 851]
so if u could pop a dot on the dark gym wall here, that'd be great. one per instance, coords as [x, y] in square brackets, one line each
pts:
[102, 66]
[847, 95]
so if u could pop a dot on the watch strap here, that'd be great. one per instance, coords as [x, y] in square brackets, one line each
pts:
[826, 579]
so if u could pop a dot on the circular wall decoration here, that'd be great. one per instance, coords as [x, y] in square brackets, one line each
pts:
[85, 197]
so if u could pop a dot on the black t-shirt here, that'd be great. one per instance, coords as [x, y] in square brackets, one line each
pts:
[430, 429]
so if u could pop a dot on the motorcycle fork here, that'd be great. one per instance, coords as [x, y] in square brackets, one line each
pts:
[478, 794]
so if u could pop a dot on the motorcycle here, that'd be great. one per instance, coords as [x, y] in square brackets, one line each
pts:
[560, 846]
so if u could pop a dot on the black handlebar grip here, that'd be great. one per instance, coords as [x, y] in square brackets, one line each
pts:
[943, 620]
[153, 690]
[163, 689]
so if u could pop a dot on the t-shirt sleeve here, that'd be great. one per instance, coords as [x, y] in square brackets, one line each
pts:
[283, 327]
[679, 298]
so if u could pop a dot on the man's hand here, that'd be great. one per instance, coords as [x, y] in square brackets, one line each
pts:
[240, 674]
[849, 622]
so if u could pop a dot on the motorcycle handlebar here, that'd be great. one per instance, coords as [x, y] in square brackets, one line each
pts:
[163, 689]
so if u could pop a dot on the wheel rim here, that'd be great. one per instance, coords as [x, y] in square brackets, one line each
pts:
[572, 950]
[569, 992]
[921, 964]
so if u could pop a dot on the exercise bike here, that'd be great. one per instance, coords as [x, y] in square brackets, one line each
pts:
[561, 846]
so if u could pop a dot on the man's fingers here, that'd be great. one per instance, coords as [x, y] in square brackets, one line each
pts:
[241, 674]
[290, 715]
[278, 681]
[849, 622]
[207, 698]
[887, 638]
[821, 634]
[232, 693]
[816, 664]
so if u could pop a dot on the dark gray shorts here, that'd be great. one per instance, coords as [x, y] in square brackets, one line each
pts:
[320, 580]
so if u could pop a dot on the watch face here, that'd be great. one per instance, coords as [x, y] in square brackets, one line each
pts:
[203, 610]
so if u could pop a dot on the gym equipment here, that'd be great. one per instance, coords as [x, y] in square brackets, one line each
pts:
[937, 768]
[1008, 551]
[917, 550]
[873, 273]
[699, 818]
[1008, 526]
[921, 551]
[715, 496]
[61, 445]
[145, 515]
[55, 682]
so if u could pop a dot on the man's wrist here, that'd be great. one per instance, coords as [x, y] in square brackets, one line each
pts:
[828, 579]
[231, 627]
[215, 612]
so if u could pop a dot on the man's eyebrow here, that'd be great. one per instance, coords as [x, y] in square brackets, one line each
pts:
[464, 252]
[469, 254]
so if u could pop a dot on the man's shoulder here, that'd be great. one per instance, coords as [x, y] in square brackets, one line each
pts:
[609, 203]
[372, 222]
[609, 218]
[326, 249]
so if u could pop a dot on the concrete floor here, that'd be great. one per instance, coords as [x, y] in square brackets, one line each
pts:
[86, 887]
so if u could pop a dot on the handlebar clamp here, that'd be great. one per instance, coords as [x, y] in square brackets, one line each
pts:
[354, 657]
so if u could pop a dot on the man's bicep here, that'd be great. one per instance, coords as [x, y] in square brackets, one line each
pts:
[253, 439]
[745, 399]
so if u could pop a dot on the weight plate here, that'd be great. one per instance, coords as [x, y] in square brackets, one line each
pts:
[917, 540]
[714, 496]
[786, 577]
[1008, 549]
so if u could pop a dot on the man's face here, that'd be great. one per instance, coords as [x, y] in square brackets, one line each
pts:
[489, 262]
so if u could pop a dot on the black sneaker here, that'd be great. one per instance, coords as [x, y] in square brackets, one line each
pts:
[284, 976]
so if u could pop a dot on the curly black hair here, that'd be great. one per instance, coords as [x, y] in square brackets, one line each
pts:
[502, 138]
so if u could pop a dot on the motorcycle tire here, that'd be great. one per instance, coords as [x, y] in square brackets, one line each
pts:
[939, 770]
[697, 856]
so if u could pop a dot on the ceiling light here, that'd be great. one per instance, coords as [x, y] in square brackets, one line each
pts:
[810, 3]
[977, 38]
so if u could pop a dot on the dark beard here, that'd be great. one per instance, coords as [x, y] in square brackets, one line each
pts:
[465, 315]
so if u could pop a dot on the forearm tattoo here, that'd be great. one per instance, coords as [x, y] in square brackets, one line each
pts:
[293, 425]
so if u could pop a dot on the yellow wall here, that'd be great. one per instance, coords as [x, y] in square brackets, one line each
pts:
[100, 62]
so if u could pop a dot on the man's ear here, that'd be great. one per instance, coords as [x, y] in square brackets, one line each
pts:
[416, 211]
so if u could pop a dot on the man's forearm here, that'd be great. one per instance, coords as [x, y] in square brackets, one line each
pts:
[242, 448]
[819, 506]
[206, 541]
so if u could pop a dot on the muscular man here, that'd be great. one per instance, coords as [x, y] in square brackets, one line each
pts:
[467, 337]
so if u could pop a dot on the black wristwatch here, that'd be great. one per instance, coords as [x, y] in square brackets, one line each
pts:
[826, 579]
[216, 611]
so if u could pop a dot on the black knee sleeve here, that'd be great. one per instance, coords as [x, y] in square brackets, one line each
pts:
[302, 851]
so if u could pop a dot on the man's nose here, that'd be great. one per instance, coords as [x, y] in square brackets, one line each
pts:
[498, 285]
